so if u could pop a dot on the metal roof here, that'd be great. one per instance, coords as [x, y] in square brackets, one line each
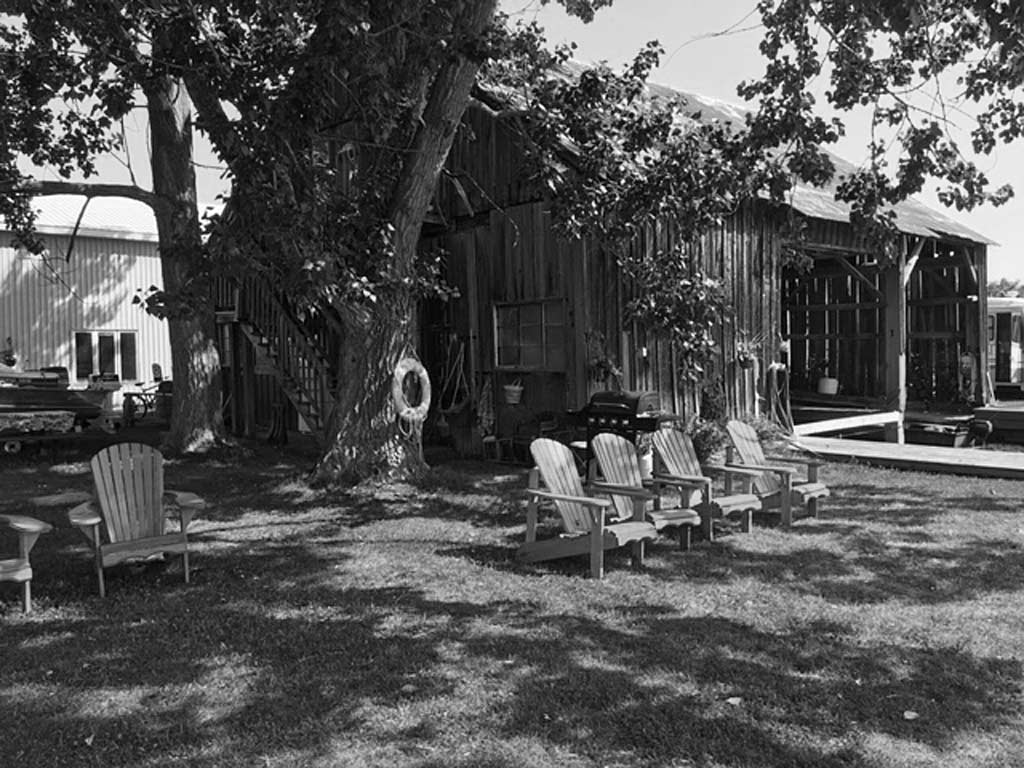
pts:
[117, 218]
[912, 216]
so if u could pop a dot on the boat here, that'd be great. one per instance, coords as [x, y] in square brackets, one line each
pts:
[47, 390]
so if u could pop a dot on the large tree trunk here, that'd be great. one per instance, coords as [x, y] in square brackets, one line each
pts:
[196, 421]
[369, 439]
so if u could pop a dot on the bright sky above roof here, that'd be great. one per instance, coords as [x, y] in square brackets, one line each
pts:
[711, 46]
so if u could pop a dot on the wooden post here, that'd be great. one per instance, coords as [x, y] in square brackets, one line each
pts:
[985, 390]
[236, 340]
[895, 352]
[577, 258]
[247, 377]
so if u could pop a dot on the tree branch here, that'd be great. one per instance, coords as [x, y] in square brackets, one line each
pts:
[47, 188]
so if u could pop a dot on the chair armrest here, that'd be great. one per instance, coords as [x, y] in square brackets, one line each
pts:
[806, 461]
[664, 477]
[766, 468]
[184, 504]
[85, 515]
[743, 470]
[589, 500]
[184, 499]
[623, 490]
[23, 524]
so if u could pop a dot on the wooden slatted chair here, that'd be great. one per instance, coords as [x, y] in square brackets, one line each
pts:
[616, 456]
[19, 569]
[585, 528]
[775, 484]
[127, 519]
[676, 456]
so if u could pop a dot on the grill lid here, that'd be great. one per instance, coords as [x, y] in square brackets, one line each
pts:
[625, 402]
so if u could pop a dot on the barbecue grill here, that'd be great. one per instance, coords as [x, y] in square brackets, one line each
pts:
[624, 413]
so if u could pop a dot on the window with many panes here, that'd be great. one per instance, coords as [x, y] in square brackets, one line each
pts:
[106, 352]
[531, 335]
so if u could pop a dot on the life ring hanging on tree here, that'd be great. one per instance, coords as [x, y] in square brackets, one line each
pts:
[406, 410]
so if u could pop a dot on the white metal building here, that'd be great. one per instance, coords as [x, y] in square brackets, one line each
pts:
[75, 309]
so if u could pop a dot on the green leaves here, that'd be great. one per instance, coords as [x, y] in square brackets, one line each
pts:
[923, 67]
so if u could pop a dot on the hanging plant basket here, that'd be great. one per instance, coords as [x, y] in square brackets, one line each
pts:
[513, 392]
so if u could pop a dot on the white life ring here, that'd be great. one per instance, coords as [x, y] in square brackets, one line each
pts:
[406, 410]
[12, 447]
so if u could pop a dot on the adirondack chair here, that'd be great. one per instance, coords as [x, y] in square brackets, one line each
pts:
[18, 569]
[677, 457]
[583, 517]
[127, 519]
[620, 468]
[774, 484]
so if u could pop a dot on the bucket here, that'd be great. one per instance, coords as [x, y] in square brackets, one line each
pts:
[513, 392]
[828, 386]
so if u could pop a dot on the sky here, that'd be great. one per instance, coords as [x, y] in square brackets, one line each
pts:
[712, 45]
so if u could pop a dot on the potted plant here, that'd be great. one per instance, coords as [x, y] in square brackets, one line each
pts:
[748, 348]
[601, 366]
[826, 383]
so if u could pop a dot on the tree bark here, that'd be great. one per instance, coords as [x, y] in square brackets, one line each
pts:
[369, 439]
[196, 421]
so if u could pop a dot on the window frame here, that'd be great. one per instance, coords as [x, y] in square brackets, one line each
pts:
[118, 361]
[545, 327]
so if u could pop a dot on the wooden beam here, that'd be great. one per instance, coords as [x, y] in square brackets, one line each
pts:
[940, 301]
[912, 261]
[848, 423]
[827, 250]
[813, 336]
[837, 307]
[971, 267]
[860, 277]
[895, 344]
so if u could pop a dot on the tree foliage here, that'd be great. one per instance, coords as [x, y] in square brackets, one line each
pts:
[334, 119]
[1004, 286]
[942, 80]
[621, 163]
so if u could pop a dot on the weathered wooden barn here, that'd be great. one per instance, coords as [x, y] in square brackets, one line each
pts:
[542, 318]
[881, 328]
[72, 306]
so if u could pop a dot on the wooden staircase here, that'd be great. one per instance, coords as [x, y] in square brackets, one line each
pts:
[303, 370]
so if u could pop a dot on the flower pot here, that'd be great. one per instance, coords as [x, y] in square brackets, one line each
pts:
[513, 393]
[646, 460]
[828, 386]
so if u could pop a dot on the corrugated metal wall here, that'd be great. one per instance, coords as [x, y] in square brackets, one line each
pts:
[44, 302]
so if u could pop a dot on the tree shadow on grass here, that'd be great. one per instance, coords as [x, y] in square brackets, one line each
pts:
[271, 661]
[873, 571]
[726, 682]
[275, 654]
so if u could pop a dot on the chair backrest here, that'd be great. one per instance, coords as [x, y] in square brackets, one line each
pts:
[748, 448]
[557, 468]
[129, 479]
[619, 465]
[678, 457]
[675, 449]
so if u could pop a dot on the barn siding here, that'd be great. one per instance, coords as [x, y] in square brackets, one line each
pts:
[518, 258]
[835, 312]
[44, 302]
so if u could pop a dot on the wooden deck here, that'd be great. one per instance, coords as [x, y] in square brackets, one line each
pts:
[1007, 419]
[926, 458]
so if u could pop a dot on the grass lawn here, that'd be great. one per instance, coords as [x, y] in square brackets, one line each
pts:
[392, 627]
